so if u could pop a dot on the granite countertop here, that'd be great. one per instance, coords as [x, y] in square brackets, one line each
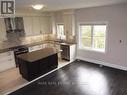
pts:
[6, 46]
[68, 44]
[11, 46]
[36, 55]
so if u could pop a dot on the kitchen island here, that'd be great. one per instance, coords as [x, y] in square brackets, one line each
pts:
[37, 63]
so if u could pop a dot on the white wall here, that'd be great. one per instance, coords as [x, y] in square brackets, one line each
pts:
[116, 16]
[59, 17]
[20, 12]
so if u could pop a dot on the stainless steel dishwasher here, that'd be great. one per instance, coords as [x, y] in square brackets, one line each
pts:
[65, 54]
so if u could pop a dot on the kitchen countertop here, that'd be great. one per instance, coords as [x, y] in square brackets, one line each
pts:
[68, 44]
[6, 46]
[37, 55]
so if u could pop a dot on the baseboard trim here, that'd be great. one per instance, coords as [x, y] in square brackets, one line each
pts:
[102, 63]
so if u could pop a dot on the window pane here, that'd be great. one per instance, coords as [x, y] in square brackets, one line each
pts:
[93, 37]
[99, 30]
[86, 30]
[86, 42]
[60, 31]
[99, 33]
[86, 35]
[99, 42]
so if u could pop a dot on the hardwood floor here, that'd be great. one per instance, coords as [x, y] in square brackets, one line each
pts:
[79, 78]
[11, 79]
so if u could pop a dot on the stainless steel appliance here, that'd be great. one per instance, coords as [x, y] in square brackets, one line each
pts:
[65, 54]
[19, 50]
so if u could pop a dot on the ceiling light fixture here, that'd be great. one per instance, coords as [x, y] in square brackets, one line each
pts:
[38, 7]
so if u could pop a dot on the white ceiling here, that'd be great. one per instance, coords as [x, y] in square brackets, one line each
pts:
[51, 5]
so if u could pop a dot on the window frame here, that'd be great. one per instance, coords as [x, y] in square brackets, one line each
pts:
[80, 36]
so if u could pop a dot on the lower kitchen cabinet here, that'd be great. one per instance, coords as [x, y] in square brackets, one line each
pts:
[68, 52]
[7, 60]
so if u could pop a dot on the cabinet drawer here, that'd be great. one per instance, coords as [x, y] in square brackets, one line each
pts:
[6, 60]
[5, 54]
[7, 65]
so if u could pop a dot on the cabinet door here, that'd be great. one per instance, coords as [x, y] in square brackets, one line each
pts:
[72, 52]
[2, 30]
[45, 25]
[7, 60]
[43, 64]
[36, 25]
[69, 24]
[53, 61]
[28, 26]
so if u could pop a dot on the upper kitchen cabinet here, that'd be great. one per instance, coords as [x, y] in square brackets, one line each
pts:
[2, 30]
[28, 26]
[32, 25]
[45, 23]
[37, 25]
[69, 23]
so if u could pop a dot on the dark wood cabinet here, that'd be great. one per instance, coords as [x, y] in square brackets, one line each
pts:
[31, 70]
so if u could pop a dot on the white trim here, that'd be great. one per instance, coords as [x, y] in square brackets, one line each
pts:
[93, 23]
[92, 50]
[102, 63]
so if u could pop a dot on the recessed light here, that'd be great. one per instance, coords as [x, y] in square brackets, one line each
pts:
[38, 6]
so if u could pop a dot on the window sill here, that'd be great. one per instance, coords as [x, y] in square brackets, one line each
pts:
[93, 50]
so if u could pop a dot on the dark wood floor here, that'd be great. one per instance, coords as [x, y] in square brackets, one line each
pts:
[79, 78]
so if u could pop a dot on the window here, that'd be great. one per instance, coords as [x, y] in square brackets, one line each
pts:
[60, 31]
[92, 37]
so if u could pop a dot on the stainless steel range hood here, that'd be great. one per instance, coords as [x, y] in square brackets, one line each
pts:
[14, 26]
